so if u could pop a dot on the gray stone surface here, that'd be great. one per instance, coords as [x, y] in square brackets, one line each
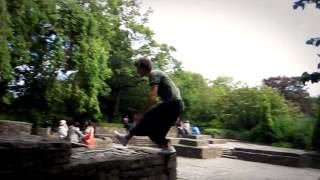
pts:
[103, 164]
[45, 132]
[14, 128]
[174, 140]
[294, 161]
[193, 142]
[199, 137]
[272, 155]
[32, 151]
[142, 141]
[104, 142]
[218, 141]
[233, 169]
[198, 152]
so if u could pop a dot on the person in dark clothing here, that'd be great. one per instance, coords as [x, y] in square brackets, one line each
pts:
[156, 121]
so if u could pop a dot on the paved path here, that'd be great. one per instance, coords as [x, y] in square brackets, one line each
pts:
[232, 169]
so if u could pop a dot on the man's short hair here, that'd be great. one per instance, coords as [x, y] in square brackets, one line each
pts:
[143, 63]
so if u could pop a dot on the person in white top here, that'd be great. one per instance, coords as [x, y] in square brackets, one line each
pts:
[63, 129]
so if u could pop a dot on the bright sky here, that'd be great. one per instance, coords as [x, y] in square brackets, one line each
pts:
[248, 40]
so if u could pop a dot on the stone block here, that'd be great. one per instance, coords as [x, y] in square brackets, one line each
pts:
[217, 141]
[193, 142]
[198, 152]
[174, 140]
[199, 137]
[15, 128]
[103, 164]
[312, 159]
[18, 152]
[44, 132]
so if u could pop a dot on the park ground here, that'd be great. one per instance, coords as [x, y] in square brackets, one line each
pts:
[233, 169]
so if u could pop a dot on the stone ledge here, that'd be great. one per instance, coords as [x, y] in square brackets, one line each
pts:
[32, 151]
[199, 137]
[15, 127]
[218, 141]
[193, 142]
[107, 164]
[203, 152]
[293, 161]
[280, 153]
[299, 159]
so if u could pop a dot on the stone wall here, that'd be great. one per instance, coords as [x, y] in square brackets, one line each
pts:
[301, 159]
[106, 164]
[27, 152]
[14, 128]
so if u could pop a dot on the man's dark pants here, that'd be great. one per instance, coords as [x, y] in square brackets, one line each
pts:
[158, 121]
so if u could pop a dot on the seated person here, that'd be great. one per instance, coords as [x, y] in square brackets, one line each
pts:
[63, 129]
[195, 130]
[74, 133]
[187, 127]
[88, 138]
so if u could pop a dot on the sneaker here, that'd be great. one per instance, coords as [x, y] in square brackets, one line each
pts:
[168, 150]
[121, 138]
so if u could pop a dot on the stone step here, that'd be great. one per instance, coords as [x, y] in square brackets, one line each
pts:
[200, 137]
[227, 153]
[217, 141]
[204, 152]
[193, 142]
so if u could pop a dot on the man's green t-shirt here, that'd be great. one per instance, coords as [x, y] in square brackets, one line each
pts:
[167, 89]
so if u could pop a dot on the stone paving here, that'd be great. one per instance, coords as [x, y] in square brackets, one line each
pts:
[232, 145]
[233, 169]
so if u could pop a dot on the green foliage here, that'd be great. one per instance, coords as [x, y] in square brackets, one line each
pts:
[315, 76]
[111, 125]
[213, 131]
[52, 39]
[293, 90]
[316, 133]
[5, 67]
[283, 144]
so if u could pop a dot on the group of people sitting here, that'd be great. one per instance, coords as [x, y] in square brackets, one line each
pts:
[73, 133]
[184, 127]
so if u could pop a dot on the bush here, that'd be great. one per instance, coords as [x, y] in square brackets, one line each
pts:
[283, 144]
[111, 125]
[214, 131]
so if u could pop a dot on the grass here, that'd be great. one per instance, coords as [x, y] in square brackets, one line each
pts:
[111, 125]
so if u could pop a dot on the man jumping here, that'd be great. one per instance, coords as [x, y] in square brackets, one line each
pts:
[156, 122]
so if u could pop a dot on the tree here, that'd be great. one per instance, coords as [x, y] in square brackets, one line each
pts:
[5, 60]
[293, 90]
[59, 55]
[131, 38]
[315, 76]
[316, 131]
